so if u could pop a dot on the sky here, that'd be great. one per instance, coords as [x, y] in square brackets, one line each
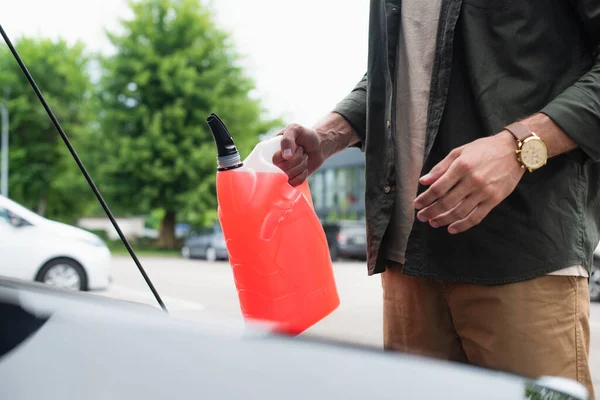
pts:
[304, 55]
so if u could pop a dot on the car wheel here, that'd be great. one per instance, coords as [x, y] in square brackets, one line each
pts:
[594, 283]
[211, 254]
[64, 273]
[185, 252]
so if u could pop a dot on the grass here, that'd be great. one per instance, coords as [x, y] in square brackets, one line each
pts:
[122, 251]
[141, 246]
[118, 249]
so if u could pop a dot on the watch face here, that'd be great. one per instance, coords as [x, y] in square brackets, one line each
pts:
[534, 153]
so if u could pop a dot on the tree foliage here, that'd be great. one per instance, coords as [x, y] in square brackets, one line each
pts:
[171, 69]
[43, 175]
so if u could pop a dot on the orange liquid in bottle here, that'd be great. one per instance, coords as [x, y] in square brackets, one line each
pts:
[277, 249]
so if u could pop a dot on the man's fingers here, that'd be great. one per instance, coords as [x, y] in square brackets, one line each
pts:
[440, 169]
[441, 186]
[445, 204]
[299, 178]
[288, 143]
[278, 158]
[297, 169]
[474, 218]
[287, 164]
[457, 213]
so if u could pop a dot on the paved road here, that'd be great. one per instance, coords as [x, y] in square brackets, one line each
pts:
[193, 288]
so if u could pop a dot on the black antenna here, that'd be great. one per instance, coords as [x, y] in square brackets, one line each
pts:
[81, 167]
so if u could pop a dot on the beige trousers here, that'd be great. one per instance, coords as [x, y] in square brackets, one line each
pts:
[531, 328]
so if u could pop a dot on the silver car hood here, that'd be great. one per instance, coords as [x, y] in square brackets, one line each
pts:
[79, 345]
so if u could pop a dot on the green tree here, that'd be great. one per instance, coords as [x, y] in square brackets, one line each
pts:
[171, 69]
[43, 175]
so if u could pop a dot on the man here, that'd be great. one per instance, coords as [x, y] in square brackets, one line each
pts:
[480, 123]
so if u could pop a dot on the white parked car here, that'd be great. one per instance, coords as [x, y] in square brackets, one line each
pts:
[36, 248]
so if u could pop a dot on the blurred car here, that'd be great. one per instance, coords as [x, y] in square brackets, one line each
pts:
[594, 282]
[34, 248]
[208, 243]
[346, 239]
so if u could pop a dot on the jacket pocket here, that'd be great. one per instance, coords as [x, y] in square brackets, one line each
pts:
[489, 4]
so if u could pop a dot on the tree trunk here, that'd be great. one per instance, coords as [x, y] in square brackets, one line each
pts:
[42, 206]
[166, 236]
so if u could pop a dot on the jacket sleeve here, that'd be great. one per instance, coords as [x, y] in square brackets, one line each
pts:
[354, 109]
[577, 109]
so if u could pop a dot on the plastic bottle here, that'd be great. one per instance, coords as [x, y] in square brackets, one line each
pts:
[276, 244]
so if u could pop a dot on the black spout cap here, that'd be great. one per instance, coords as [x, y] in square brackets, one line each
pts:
[223, 140]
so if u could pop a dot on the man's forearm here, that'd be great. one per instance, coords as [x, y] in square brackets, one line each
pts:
[557, 141]
[336, 134]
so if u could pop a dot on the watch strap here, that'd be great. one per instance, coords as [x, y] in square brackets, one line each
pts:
[519, 131]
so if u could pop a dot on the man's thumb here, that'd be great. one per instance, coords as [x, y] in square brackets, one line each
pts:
[288, 143]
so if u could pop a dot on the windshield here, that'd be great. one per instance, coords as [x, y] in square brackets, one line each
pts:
[20, 211]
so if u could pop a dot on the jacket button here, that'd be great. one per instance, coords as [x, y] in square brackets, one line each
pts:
[387, 188]
[389, 124]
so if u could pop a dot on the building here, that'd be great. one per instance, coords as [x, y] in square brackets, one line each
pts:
[338, 187]
[130, 226]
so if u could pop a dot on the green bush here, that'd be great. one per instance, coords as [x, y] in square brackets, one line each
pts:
[140, 244]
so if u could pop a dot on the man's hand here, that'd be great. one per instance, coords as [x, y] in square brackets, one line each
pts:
[469, 183]
[301, 153]
[304, 150]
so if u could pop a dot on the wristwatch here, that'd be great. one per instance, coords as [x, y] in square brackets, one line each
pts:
[532, 152]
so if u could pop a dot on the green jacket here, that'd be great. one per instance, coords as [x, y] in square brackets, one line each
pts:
[497, 61]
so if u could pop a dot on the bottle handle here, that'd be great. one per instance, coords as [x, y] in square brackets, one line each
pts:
[273, 145]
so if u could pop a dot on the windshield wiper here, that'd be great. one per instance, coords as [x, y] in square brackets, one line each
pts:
[81, 167]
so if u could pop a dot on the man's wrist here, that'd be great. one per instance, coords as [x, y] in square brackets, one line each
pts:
[508, 141]
[553, 136]
[335, 133]
[507, 138]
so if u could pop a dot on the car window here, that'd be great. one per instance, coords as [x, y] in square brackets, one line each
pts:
[17, 220]
[21, 212]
